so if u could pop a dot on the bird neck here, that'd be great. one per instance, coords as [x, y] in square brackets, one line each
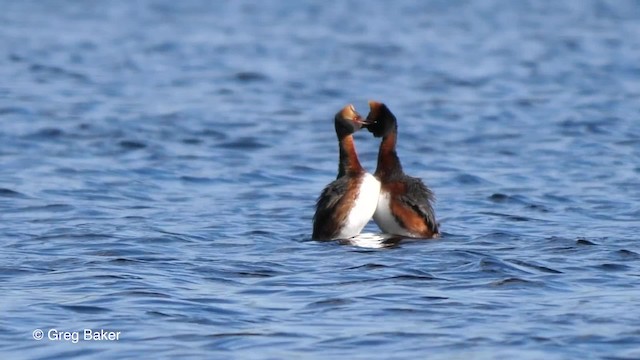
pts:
[349, 163]
[388, 161]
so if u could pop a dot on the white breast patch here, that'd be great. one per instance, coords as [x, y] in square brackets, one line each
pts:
[385, 219]
[363, 208]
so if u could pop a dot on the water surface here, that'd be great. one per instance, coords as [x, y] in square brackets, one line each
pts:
[159, 163]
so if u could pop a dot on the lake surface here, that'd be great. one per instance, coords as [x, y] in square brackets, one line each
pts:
[160, 160]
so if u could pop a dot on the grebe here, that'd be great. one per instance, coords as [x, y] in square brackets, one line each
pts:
[346, 205]
[405, 203]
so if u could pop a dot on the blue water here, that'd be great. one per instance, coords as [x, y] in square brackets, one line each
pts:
[160, 160]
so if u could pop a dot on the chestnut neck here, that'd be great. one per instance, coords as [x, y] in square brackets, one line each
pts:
[388, 161]
[349, 163]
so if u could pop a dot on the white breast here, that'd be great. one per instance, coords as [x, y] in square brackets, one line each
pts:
[363, 208]
[385, 219]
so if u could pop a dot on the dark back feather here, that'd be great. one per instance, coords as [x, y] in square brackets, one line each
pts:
[420, 198]
[325, 224]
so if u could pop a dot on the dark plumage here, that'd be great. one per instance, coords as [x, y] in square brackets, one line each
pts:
[405, 204]
[329, 217]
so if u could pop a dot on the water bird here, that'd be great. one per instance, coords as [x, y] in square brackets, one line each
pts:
[405, 203]
[347, 204]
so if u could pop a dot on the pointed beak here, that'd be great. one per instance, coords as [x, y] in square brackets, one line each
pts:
[365, 122]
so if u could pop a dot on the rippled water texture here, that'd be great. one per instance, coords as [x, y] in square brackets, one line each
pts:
[159, 163]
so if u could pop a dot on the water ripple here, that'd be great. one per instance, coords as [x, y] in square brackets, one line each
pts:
[158, 178]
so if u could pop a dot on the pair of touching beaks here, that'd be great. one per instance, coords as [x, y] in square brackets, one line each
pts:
[349, 112]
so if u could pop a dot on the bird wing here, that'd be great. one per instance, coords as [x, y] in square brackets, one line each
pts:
[419, 198]
[326, 204]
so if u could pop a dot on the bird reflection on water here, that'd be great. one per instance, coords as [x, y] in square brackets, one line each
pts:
[373, 241]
